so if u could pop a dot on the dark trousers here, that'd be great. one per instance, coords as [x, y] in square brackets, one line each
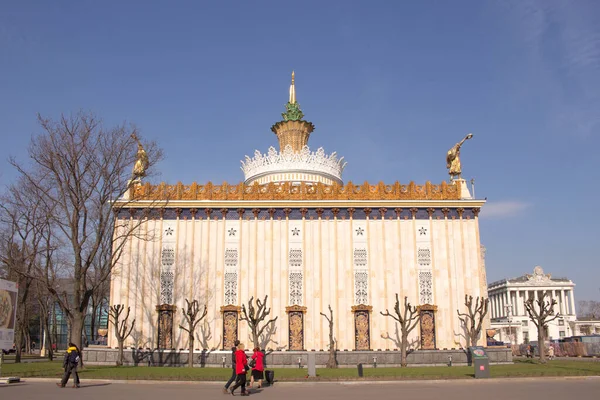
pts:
[240, 381]
[70, 369]
[230, 381]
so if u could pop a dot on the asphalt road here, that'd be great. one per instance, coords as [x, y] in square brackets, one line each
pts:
[493, 389]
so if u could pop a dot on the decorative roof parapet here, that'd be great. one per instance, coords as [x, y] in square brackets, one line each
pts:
[303, 191]
[289, 160]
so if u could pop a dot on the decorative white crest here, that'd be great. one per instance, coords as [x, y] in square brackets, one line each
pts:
[305, 161]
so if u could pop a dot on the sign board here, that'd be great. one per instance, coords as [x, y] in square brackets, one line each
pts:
[8, 313]
[478, 352]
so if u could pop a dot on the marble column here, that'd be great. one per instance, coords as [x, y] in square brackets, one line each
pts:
[572, 302]
[498, 305]
[511, 296]
[563, 309]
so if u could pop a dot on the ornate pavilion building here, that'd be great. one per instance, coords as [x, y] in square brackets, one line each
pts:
[295, 232]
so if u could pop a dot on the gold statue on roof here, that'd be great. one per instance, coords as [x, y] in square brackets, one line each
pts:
[453, 158]
[141, 160]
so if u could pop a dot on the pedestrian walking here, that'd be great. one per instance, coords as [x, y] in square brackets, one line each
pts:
[233, 372]
[70, 362]
[551, 352]
[241, 367]
[258, 367]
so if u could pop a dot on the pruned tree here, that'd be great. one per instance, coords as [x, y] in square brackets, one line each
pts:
[192, 318]
[255, 317]
[332, 361]
[473, 319]
[78, 168]
[540, 316]
[122, 329]
[408, 318]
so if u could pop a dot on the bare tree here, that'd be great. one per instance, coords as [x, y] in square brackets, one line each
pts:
[255, 316]
[332, 361]
[78, 168]
[588, 309]
[540, 316]
[122, 329]
[22, 217]
[472, 320]
[408, 320]
[46, 303]
[192, 319]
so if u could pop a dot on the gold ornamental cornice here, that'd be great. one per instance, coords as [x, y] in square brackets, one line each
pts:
[258, 205]
[238, 309]
[362, 307]
[290, 309]
[427, 307]
[286, 191]
[166, 307]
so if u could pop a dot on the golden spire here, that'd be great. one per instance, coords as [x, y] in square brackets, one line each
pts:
[292, 91]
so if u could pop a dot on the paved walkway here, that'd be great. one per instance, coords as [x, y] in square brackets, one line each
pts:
[493, 389]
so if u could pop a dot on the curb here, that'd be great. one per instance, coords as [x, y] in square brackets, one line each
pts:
[355, 382]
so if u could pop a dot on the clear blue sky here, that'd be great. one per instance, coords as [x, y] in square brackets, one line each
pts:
[389, 85]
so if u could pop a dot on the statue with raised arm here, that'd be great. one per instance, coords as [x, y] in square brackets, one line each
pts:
[141, 160]
[453, 158]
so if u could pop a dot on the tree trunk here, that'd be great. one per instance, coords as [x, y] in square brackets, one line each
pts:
[76, 332]
[18, 343]
[49, 349]
[255, 339]
[93, 322]
[403, 347]
[54, 328]
[332, 362]
[191, 351]
[542, 344]
[120, 356]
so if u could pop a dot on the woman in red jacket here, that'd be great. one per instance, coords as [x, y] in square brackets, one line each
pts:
[258, 370]
[241, 366]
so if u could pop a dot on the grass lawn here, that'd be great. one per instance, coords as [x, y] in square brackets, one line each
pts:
[518, 369]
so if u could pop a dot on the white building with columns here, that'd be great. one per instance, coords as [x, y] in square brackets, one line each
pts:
[507, 306]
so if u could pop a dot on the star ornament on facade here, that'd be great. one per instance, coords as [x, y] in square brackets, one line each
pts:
[295, 232]
[232, 232]
[360, 231]
[423, 231]
[169, 231]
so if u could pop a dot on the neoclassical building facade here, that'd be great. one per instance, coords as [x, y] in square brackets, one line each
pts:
[293, 231]
[507, 306]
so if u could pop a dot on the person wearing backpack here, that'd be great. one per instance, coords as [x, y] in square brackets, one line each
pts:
[70, 363]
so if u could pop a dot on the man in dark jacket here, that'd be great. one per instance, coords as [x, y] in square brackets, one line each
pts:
[233, 374]
[70, 362]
